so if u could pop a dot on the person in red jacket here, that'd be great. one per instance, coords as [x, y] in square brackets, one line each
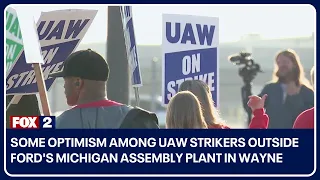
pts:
[306, 119]
[210, 113]
[260, 119]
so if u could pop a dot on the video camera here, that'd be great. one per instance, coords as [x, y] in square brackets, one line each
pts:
[249, 70]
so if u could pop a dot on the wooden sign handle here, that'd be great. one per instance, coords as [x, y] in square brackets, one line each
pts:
[42, 89]
[15, 100]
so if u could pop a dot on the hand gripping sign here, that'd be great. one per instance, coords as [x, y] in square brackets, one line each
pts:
[189, 52]
[59, 33]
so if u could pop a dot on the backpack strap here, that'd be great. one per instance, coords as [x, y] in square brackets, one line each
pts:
[138, 118]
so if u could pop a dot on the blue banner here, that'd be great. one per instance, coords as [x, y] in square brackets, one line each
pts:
[59, 33]
[131, 45]
[48, 151]
[190, 51]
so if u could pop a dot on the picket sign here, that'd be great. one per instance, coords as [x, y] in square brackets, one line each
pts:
[131, 48]
[189, 52]
[32, 51]
[14, 45]
[59, 34]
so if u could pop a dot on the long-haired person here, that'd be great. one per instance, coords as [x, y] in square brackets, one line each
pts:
[211, 115]
[184, 112]
[289, 93]
[304, 121]
[202, 91]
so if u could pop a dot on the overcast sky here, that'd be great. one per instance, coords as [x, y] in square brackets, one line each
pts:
[269, 21]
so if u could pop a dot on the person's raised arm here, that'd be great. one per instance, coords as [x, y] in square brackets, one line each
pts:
[260, 119]
[245, 94]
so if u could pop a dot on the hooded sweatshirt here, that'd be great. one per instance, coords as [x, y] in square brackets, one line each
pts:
[305, 120]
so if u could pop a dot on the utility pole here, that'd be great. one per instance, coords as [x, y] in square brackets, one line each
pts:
[118, 83]
[154, 83]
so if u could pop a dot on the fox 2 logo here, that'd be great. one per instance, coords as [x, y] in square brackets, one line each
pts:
[32, 122]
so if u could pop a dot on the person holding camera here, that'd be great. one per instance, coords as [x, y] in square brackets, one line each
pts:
[289, 93]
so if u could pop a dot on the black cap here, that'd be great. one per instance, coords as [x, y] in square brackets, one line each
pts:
[86, 64]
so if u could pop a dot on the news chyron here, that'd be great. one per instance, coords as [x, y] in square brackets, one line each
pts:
[32, 122]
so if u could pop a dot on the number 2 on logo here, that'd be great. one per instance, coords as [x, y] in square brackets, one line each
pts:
[47, 122]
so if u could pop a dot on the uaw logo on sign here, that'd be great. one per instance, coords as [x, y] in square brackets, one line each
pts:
[13, 38]
[131, 45]
[190, 52]
[59, 32]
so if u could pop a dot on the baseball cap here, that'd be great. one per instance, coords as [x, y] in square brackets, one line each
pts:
[86, 64]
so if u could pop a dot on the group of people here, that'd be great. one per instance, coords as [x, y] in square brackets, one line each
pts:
[287, 101]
